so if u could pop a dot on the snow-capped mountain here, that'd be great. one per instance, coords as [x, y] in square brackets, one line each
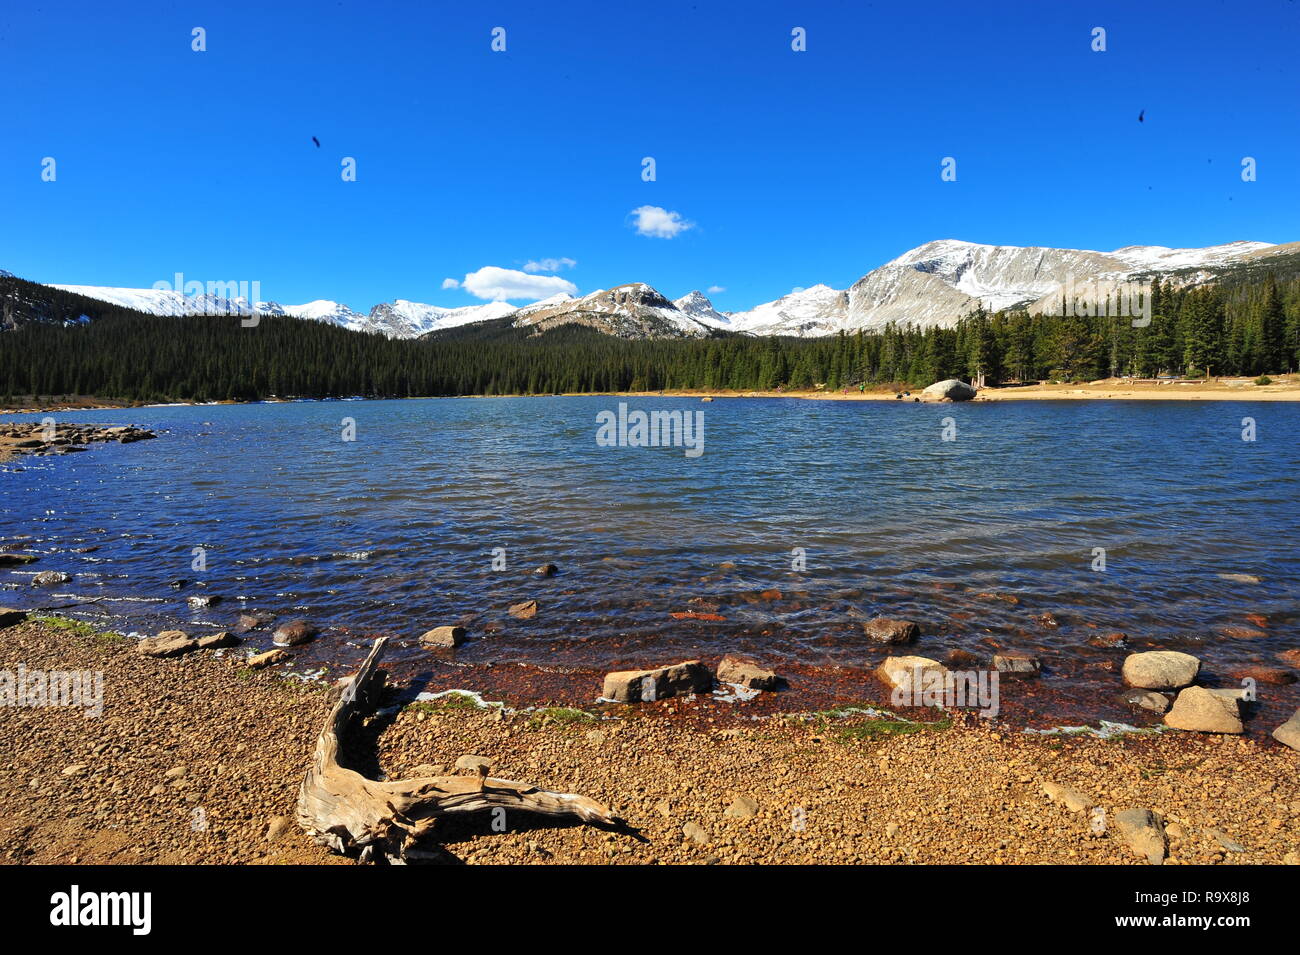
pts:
[934, 284]
[626, 311]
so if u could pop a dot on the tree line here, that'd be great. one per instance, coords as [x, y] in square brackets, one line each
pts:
[55, 344]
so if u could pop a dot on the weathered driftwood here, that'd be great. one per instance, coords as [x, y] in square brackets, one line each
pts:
[342, 809]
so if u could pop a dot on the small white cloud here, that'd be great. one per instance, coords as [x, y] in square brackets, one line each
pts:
[499, 285]
[715, 289]
[450, 283]
[550, 265]
[659, 223]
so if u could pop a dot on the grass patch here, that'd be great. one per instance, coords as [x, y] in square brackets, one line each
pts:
[867, 730]
[558, 716]
[455, 700]
[102, 638]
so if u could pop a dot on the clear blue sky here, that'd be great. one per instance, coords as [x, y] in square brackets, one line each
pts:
[794, 168]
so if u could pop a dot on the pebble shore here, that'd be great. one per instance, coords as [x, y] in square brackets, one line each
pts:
[197, 759]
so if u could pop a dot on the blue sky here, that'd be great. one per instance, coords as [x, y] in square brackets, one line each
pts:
[792, 168]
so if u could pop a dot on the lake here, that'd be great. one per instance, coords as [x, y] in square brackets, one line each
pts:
[438, 511]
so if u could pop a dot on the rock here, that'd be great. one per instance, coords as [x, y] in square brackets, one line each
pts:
[644, 686]
[1273, 676]
[525, 610]
[1288, 734]
[206, 600]
[1142, 830]
[746, 672]
[696, 834]
[1109, 640]
[176, 772]
[1240, 578]
[1242, 633]
[950, 389]
[744, 807]
[1016, 663]
[1290, 657]
[251, 621]
[215, 641]
[1291, 858]
[1161, 669]
[443, 637]
[425, 770]
[9, 616]
[1147, 700]
[180, 583]
[15, 560]
[1068, 796]
[959, 659]
[889, 631]
[1202, 711]
[470, 763]
[260, 660]
[546, 570]
[896, 672]
[277, 827]
[169, 643]
[50, 578]
[76, 769]
[1047, 620]
[293, 633]
[1223, 839]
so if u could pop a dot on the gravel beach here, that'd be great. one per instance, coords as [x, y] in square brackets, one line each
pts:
[197, 760]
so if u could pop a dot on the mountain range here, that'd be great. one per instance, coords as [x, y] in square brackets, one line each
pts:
[933, 284]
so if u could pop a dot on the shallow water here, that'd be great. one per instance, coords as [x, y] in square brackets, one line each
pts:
[395, 532]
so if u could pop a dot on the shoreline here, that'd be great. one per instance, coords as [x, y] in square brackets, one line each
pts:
[1284, 388]
[174, 771]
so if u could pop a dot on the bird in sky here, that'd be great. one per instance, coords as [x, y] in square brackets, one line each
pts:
[316, 141]
[1141, 119]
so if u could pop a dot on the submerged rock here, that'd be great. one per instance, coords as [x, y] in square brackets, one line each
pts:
[1147, 700]
[293, 633]
[1012, 662]
[443, 637]
[524, 610]
[890, 631]
[546, 570]
[50, 578]
[644, 686]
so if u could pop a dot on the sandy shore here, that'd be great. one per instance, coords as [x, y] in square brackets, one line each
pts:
[198, 759]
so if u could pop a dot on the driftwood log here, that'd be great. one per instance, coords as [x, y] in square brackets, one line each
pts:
[342, 809]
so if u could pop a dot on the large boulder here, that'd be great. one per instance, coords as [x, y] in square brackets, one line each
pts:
[1161, 670]
[644, 686]
[952, 389]
[1204, 711]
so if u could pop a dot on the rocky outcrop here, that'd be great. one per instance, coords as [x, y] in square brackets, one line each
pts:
[19, 438]
[644, 686]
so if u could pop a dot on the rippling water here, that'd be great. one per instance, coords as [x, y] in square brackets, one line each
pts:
[394, 532]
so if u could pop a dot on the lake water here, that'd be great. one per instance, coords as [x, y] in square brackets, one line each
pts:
[396, 532]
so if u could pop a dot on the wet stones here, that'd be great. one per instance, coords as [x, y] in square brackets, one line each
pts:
[294, 633]
[1013, 663]
[887, 630]
[251, 621]
[443, 637]
[261, 660]
[16, 560]
[1109, 641]
[546, 570]
[1273, 676]
[1147, 700]
[50, 578]
[747, 673]
[1161, 670]
[206, 600]
[1204, 711]
[638, 686]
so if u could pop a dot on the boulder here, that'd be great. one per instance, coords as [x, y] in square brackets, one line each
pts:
[10, 616]
[748, 673]
[951, 389]
[896, 672]
[1204, 711]
[206, 600]
[637, 686]
[15, 560]
[50, 578]
[260, 660]
[1161, 670]
[169, 643]
[215, 641]
[1143, 832]
[890, 631]
[524, 610]
[293, 633]
[1288, 734]
[443, 637]
[546, 570]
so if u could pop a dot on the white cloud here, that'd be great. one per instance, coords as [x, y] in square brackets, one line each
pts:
[550, 265]
[450, 283]
[659, 223]
[498, 284]
[715, 289]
